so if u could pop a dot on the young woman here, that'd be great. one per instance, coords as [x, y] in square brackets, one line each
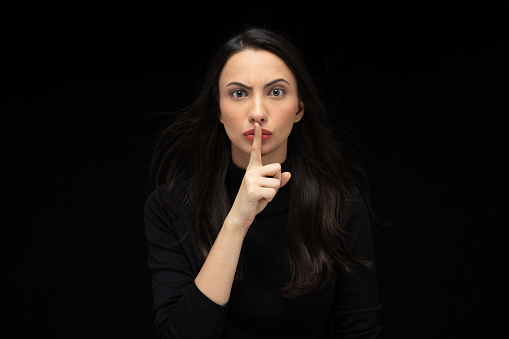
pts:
[257, 227]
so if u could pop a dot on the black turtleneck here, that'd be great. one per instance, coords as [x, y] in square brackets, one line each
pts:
[347, 306]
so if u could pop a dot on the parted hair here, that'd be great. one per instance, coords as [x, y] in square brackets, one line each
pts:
[323, 174]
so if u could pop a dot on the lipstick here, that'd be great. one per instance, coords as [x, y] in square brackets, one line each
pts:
[249, 134]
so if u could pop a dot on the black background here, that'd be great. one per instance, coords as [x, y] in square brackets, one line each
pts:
[423, 89]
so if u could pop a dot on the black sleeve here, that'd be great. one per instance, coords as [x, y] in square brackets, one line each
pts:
[356, 310]
[180, 309]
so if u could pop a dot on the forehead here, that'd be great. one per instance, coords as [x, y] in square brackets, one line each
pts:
[255, 66]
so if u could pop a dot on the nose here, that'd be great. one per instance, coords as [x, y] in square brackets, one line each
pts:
[257, 111]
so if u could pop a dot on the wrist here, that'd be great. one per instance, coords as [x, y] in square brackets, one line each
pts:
[234, 226]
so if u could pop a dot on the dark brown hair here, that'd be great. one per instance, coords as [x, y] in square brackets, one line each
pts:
[323, 178]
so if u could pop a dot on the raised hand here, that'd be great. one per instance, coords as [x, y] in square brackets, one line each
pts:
[259, 186]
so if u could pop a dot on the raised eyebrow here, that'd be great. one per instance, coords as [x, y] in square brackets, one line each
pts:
[235, 83]
[239, 84]
[275, 81]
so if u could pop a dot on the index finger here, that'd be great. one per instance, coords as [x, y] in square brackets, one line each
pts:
[256, 147]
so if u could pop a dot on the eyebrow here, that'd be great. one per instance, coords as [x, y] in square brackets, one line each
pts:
[250, 88]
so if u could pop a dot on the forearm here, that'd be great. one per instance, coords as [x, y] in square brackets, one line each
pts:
[258, 188]
[215, 278]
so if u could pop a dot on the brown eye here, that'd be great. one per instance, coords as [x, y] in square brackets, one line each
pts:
[277, 92]
[238, 93]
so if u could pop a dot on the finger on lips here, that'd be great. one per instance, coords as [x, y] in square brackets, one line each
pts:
[256, 147]
[268, 171]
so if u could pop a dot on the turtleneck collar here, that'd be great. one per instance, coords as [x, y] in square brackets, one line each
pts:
[234, 177]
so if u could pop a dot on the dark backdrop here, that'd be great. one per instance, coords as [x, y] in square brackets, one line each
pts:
[421, 89]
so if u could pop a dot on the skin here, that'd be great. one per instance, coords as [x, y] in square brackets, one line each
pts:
[257, 86]
[257, 90]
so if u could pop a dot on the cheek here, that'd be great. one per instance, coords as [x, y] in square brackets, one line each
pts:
[230, 118]
[286, 113]
[225, 112]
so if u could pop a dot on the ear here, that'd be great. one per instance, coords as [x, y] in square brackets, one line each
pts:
[300, 112]
[220, 116]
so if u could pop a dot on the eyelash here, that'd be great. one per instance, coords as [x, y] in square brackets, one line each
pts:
[232, 93]
[283, 92]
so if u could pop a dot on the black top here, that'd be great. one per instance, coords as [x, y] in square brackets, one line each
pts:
[347, 307]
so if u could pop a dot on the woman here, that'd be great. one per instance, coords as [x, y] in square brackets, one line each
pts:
[259, 229]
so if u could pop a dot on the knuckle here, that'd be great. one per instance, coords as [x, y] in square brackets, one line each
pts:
[251, 192]
[272, 195]
[249, 180]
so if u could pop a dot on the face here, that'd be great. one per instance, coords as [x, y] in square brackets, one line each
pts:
[257, 86]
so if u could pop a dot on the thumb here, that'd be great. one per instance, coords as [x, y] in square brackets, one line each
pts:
[285, 177]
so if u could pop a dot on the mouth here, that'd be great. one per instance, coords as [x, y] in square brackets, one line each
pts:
[249, 134]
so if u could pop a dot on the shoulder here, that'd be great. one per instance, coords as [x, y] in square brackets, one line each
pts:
[356, 221]
[355, 204]
[164, 196]
[166, 208]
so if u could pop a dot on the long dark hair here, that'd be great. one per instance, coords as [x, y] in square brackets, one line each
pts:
[323, 177]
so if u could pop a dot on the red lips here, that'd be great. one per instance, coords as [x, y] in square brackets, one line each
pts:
[249, 134]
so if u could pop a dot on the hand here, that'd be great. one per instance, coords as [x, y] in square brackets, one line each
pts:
[259, 186]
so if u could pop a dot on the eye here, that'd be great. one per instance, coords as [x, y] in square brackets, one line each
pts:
[277, 92]
[238, 93]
